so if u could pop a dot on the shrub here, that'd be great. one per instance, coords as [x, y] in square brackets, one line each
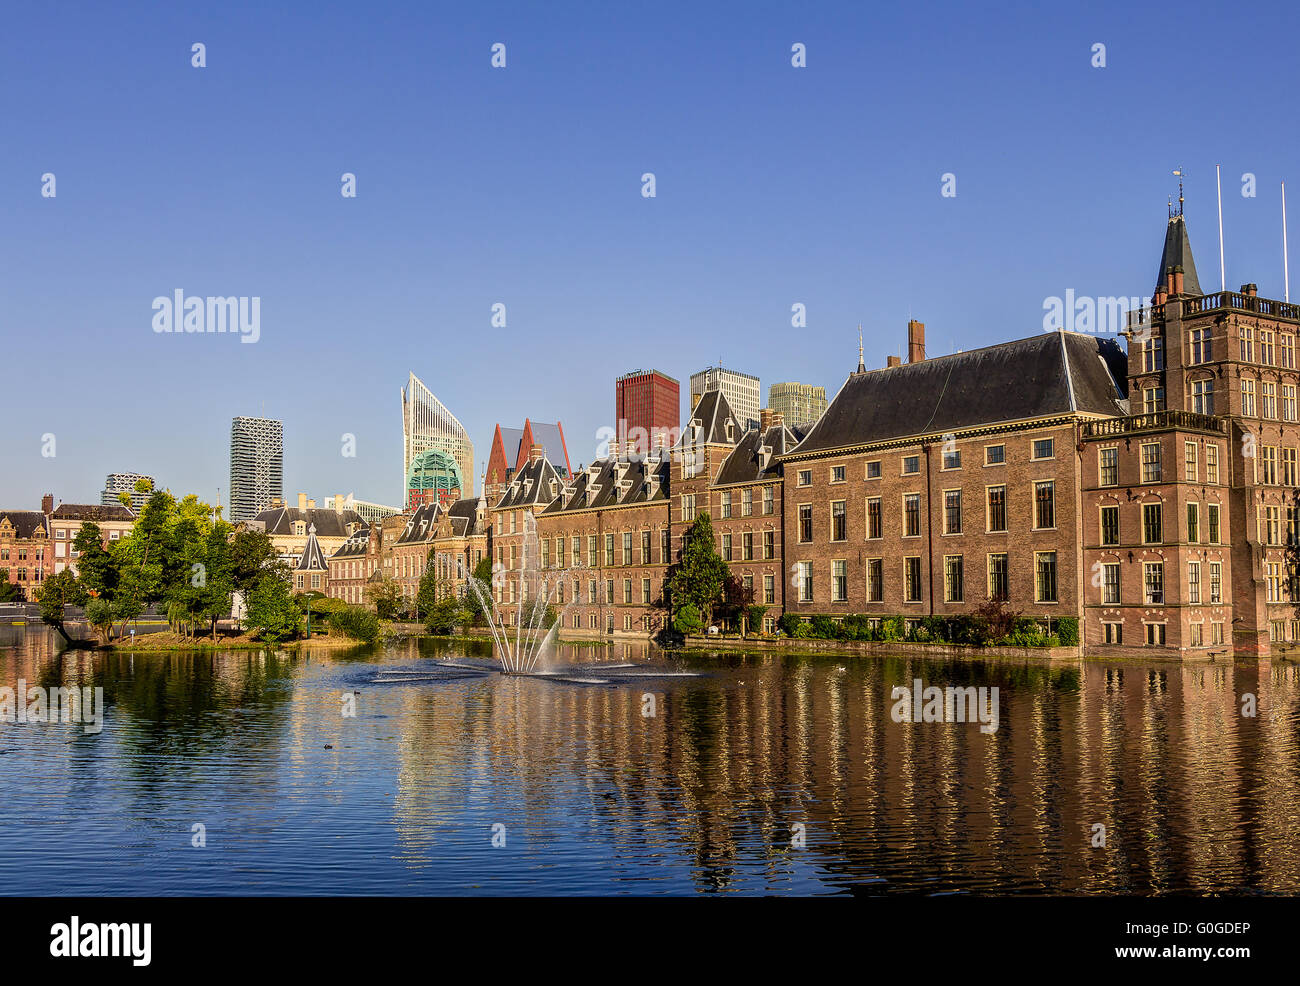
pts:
[446, 616]
[688, 620]
[789, 623]
[1067, 628]
[356, 622]
[754, 617]
[824, 628]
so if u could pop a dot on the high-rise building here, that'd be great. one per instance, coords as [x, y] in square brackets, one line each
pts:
[118, 483]
[437, 455]
[256, 466]
[741, 390]
[800, 404]
[647, 410]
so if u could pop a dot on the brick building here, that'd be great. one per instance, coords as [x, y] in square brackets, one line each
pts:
[609, 532]
[115, 522]
[25, 547]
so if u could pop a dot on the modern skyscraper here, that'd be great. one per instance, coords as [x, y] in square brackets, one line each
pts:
[437, 455]
[741, 390]
[800, 404]
[118, 483]
[256, 466]
[647, 410]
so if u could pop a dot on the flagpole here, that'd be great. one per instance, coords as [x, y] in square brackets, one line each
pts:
[1286, 267]
[1223, 280]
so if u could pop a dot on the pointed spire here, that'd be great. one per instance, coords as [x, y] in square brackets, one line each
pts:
[862, 366]
[1177, 257]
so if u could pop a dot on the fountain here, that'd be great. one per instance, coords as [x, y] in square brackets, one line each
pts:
[538, 590]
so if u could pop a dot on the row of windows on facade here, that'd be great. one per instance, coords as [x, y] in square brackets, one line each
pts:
[563, 551]
[1202, 394]
[1273, 349]
[996, 581]
[1154, 633]
[910, 465]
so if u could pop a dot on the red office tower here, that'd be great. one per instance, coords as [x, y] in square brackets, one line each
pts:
[647, 411]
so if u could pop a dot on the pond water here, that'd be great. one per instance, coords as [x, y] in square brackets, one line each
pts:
[751, 774]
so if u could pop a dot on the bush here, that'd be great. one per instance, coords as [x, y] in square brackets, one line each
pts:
[824, 628]
[356, 622]
[1067, 628]
[789, 623]
[446, 616]
[754, 618]
[688, 620]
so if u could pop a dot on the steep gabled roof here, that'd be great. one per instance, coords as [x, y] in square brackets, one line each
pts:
[355, 546]
[1054, 373]
[25, 522]
[1178, 253]
[328, 522]
[613, 482]
[421, 525]
[745, 464]
[536, 482]
[713, 414]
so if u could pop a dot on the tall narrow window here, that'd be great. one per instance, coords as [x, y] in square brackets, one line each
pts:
[997, 520]
[1045, 504]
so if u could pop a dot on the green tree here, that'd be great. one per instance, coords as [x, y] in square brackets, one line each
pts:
[273, 613]
[100, 614]
[385, 595]
[95, 565]
[446, 615]
[55, 593]
[687, 619]
[432, 589]
[698, 579]
[9, 593]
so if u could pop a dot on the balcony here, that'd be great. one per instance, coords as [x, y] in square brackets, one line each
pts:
[1218, 301]
[1155, 421]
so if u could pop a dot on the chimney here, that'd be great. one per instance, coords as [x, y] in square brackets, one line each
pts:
[338, 503]
[1178, 280]
[1250, 290]
[765, 418]
[302, 501]
[47, 504]
[311, 504]
[893, 361]
[1169, 280]
[535, 453]
[915, 341]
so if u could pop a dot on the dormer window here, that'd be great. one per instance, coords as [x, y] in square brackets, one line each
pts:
[299, 527]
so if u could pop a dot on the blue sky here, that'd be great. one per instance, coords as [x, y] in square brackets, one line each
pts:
[521, 185]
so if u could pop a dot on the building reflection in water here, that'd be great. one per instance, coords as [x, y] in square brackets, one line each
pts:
[707, 792]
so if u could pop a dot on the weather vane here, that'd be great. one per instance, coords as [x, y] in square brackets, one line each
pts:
[1180, 174]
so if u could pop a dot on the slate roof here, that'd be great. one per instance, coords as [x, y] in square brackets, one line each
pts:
[92, 512]
[355, 546]
[745, 464]
[713, 412]
[1178, 253]
[465, 518]
[329, 523]
[1053, 373]
[599, 485]
[532, 483]
[313, 558]
[25, 522]
[421, 525]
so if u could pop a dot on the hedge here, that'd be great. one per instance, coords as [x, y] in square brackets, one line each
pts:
[974, 630]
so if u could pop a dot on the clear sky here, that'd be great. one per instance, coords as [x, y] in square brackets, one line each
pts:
[775, 185]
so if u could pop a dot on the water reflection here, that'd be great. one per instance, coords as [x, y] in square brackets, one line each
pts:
[594, 796]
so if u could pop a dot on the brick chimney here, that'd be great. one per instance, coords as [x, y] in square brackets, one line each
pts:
[765, 418]
[535, 453]
[311, 504]
[338, 503]
[1169, 280]
[1250, 290]
[1178, 280]
[47, 504]
[915, 341]
[893, 361]
[302, 501]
